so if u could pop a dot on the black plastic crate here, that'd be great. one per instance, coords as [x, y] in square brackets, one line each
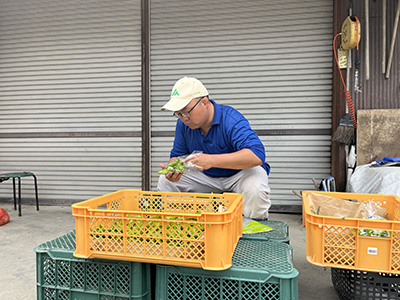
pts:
[362, 285]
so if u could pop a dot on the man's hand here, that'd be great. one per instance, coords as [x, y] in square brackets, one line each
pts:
[242, 159]
[172, 176]
[199, 161]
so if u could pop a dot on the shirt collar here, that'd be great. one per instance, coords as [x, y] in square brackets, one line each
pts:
[217, 113]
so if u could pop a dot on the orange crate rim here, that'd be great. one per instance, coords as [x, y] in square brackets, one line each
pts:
[186, 229]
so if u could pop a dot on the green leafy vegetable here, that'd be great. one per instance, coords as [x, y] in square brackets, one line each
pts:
[175, 166]
[150, 229]
[373, 232]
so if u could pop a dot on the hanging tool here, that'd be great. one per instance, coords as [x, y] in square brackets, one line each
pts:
[346, 124]
[345, 130]
[351, 32]
[355, 24]
[396, 22]
[350, 35]
[357, 87]
[383, 36]
[366, 4]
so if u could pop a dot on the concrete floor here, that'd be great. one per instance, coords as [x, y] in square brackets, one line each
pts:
[22, 234]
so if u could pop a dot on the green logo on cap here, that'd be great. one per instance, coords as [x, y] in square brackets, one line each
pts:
[175, 93]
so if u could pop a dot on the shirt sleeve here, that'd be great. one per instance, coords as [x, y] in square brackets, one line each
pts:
[243, 137]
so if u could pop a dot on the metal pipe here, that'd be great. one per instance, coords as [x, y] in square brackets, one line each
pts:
[349, 62]
[146, 130]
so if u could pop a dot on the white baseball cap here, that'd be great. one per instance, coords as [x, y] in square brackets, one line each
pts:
[184, 90]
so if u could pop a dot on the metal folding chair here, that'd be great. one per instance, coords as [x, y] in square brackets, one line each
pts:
[6, 176]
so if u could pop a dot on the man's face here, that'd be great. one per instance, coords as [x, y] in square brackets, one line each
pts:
[193, 114]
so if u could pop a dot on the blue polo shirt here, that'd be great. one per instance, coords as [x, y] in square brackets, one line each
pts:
[229, 132]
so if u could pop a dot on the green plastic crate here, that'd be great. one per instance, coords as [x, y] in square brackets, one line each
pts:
[279, 234]
[260, 270]
[61, 276]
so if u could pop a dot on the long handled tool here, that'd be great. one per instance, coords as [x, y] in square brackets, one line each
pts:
[350, 39]
[396, 23]
[366, 5]
[383, 36]
[345, 131]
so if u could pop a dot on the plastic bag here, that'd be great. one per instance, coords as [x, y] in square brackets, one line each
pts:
[250, 226]
[373, 214]
[4, 217]
[373, 211]
[179, 164]
[189, 164]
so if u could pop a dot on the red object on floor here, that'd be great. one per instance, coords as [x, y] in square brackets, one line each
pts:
[4, 217]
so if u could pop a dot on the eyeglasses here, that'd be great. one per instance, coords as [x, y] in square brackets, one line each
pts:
[186, 114]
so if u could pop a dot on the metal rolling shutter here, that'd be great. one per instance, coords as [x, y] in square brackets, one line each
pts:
[70, 97]
[272, 60]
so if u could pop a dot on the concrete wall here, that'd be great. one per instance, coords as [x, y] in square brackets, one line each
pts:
[378, 133]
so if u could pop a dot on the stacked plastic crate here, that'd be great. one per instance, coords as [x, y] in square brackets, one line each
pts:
[364, 254]
[61, 276]
[183, 243]
[262, 268]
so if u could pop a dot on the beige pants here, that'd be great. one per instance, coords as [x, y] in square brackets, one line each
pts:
[251, 183]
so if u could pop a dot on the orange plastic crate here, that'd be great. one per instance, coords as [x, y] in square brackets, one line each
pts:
[337, 242]
[184, 229]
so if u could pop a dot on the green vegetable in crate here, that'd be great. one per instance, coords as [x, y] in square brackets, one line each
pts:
[149, 229]
[374, 233]
[115, 231]
[175, 166]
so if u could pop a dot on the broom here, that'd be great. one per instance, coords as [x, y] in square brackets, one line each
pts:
[344, 133]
